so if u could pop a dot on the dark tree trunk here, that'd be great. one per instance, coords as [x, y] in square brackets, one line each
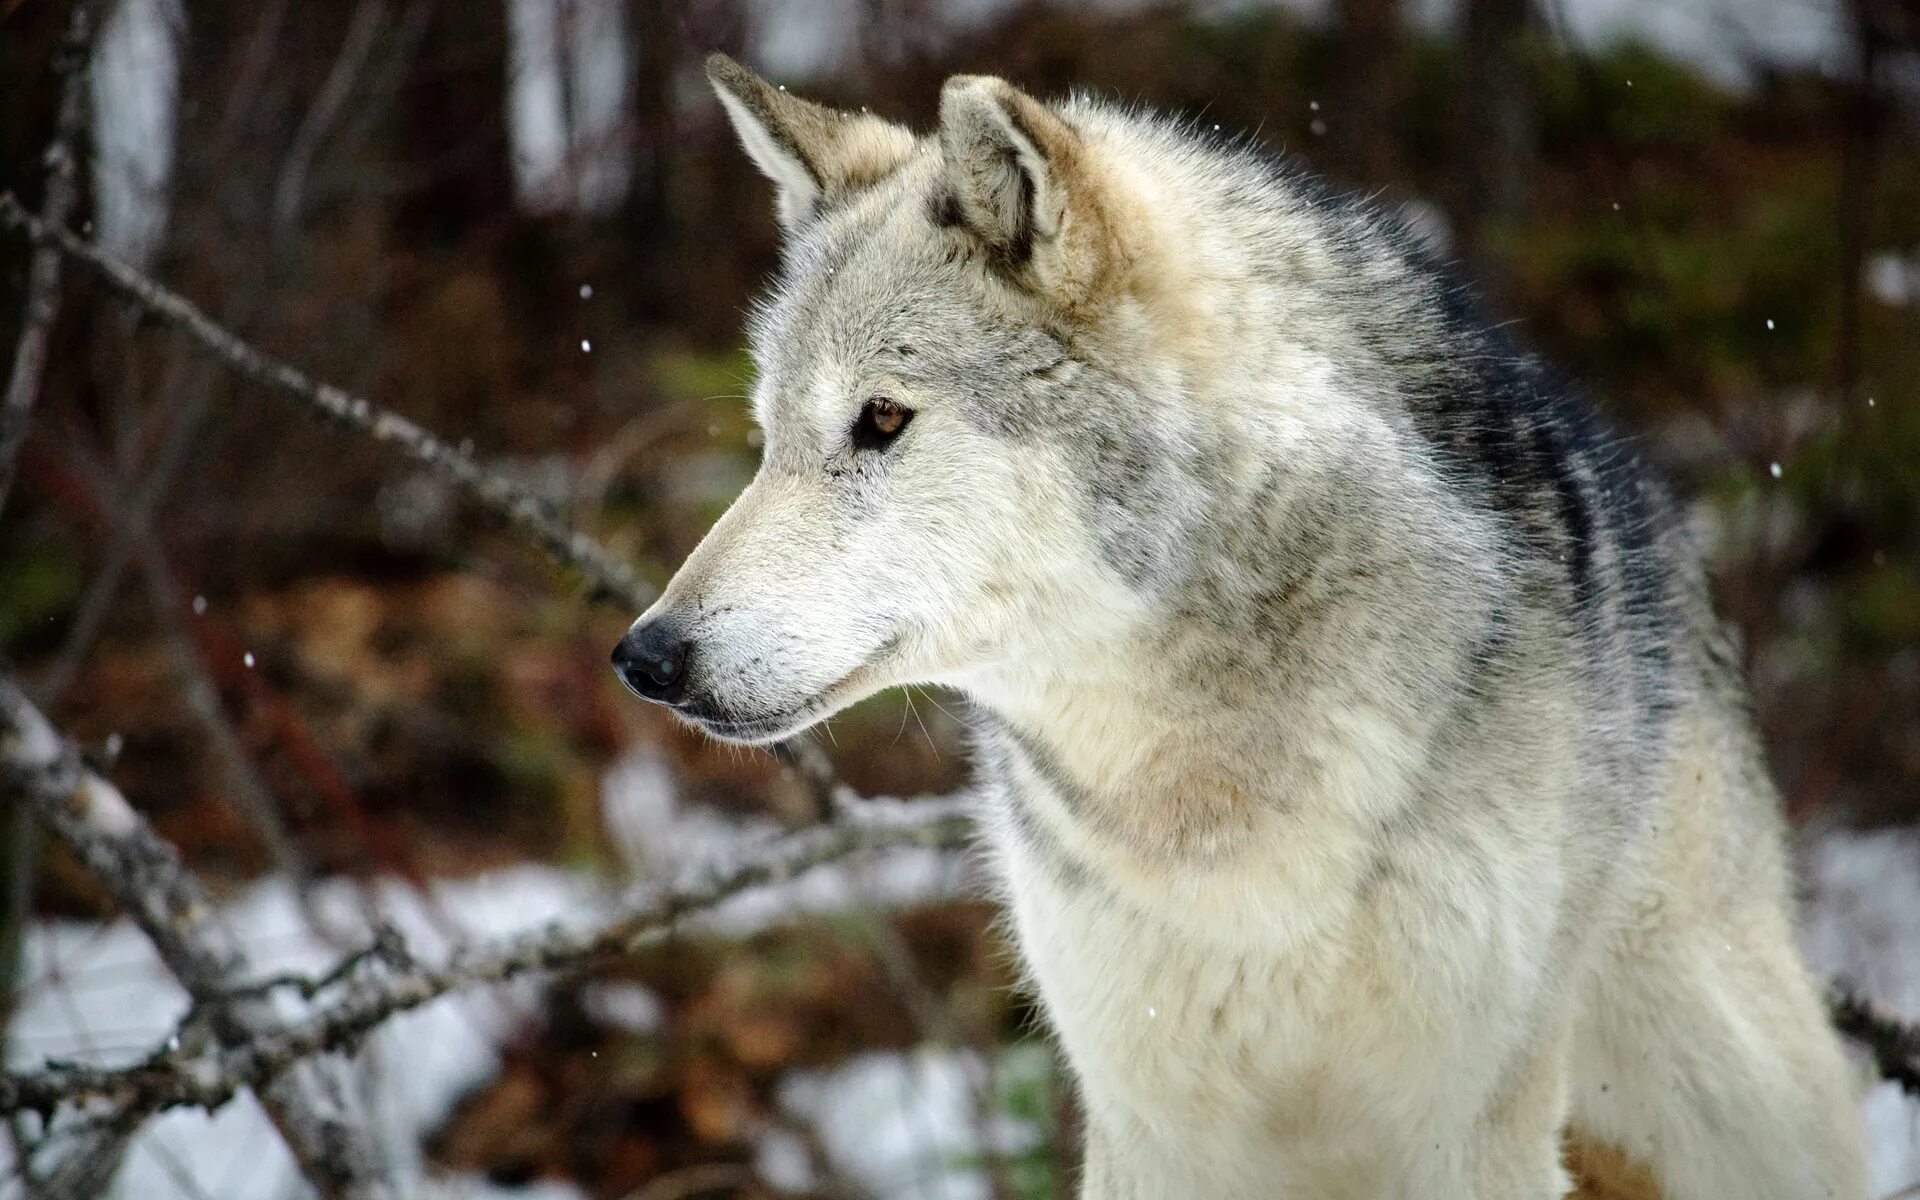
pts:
[656, 62]
[1496, 116]
[1369, 86]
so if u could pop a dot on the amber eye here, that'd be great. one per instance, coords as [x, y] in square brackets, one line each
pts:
[881, 420]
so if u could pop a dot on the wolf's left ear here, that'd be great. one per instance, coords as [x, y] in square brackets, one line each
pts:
[815, 155]
[1022, 183]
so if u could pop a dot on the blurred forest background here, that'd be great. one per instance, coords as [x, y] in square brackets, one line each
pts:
[524, 224]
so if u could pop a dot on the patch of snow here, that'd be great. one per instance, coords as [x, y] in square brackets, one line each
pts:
[905, 1125]
[1862, 924]
[632, 1007]
[901, 1125]
[1726, 39]
[1893, 279]
[98, 993]
[780, 1159]
[659, 836]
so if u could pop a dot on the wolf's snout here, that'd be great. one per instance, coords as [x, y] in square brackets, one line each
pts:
[652, 661]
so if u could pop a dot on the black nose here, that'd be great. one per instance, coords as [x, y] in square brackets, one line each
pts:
[652, 661]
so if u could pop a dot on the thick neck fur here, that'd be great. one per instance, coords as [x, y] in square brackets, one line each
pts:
[1181, 726]
[1274, 673]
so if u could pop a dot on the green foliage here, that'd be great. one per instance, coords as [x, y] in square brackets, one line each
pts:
[39, 586]
[1626, 98]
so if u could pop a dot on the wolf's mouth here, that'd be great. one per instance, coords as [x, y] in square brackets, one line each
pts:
[759, 730]
[755, 731]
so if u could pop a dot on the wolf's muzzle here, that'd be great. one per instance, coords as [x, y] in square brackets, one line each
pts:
[652, 661]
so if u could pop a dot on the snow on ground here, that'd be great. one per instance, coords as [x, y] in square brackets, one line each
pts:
[99, 994]
[659, 835]
[906, 1126]
[1863, 925]
[900, 1125]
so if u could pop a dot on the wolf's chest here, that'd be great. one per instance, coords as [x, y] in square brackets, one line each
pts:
[1280, 995]
[1171, 986]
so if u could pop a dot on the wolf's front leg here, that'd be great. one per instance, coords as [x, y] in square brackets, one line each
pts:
[1424, 1143]
[1508, 1164]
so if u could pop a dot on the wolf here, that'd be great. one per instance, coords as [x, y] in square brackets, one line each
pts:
[1373, 788]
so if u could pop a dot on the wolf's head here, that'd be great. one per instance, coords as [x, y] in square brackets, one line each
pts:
[975, 455]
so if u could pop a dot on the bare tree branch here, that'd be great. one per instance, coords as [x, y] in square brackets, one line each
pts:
[43, 275]
[385, 980]
[314, 1105]
[507, 499]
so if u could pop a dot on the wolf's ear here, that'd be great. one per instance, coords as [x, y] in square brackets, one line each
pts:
[1021, 182]
[814, 155]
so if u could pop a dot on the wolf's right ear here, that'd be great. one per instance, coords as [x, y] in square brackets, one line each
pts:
[815, 155]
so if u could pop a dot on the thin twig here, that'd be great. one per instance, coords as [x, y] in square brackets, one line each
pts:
[369, 17]
[141, 502]
[504, 497]
[43, 275]
[313, 1104]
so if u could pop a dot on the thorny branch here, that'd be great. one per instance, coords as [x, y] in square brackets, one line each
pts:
[383, 980]
[507, 499]
[43, 274]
